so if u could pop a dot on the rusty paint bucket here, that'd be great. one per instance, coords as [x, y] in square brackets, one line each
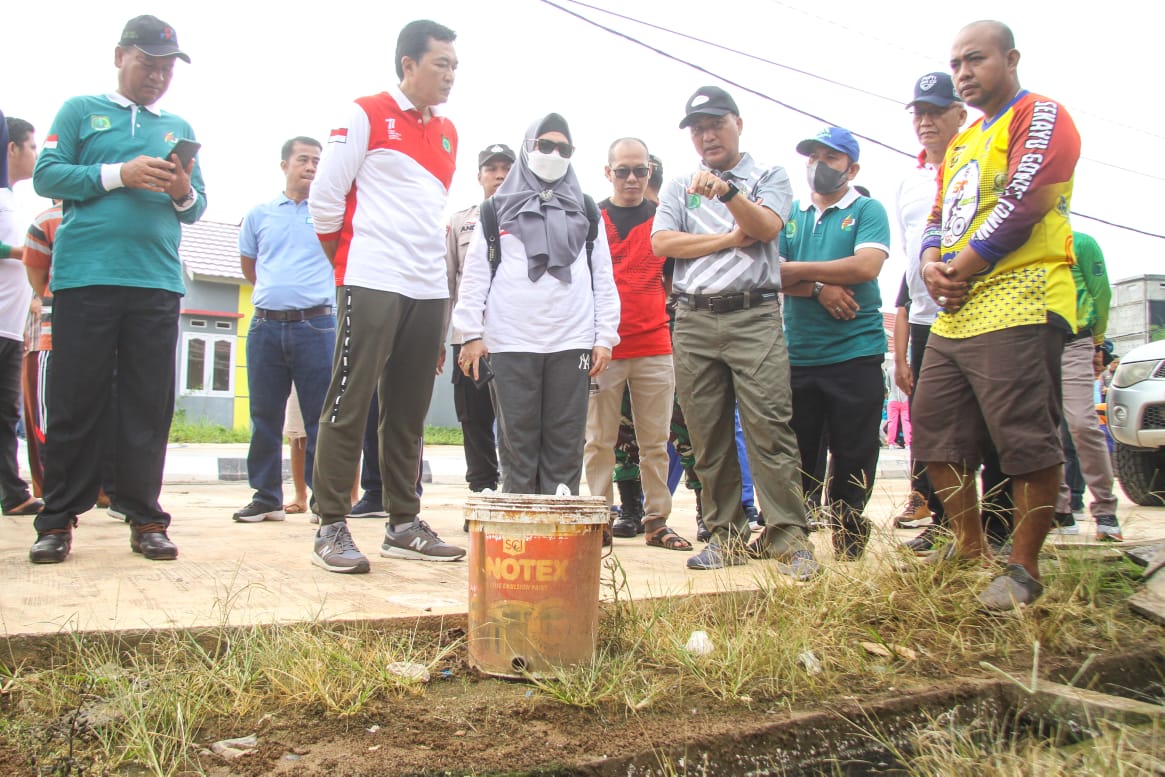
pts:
[534, 565]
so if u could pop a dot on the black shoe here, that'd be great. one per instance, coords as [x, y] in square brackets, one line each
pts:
[151, 541]
[631, 507]
[257, 513]
[703, 533]
[627, 526]
[368, 508]
[925, 542]
[756, 521]
[51, 547]
[850, 536]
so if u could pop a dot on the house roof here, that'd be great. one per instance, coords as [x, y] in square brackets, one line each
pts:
[210, 251]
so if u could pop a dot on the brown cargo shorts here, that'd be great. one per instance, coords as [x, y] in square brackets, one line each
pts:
[1000, 388]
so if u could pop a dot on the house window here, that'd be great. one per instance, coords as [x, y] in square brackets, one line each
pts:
[222, 325]
[198, 323]
[208, 365]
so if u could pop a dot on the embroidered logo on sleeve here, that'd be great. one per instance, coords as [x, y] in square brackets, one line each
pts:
[338, 135]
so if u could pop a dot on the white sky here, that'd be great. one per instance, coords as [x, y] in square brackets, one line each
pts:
[264, 71]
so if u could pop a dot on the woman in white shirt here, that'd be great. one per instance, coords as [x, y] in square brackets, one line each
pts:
[547, 318]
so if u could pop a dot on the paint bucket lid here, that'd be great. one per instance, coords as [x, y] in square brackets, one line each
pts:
[537, 508]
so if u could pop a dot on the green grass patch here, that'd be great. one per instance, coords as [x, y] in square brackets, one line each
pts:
[443, 435]
[183, 429]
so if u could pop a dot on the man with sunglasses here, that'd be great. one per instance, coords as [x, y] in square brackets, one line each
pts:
[642, 361]
[938, 114]
[721, 224]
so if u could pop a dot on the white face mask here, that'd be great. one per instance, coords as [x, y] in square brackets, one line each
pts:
[548, 167]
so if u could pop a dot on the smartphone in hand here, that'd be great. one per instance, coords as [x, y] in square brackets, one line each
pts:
[185, 150]
[484, 373]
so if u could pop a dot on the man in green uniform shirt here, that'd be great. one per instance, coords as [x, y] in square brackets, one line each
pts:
[117, 283]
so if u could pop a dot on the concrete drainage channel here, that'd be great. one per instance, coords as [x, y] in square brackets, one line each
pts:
[851, 740]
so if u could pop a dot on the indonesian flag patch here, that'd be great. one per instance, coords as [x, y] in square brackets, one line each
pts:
[339, 135]
[50, 142]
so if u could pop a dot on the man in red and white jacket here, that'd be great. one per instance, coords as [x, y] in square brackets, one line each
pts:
[377, 202]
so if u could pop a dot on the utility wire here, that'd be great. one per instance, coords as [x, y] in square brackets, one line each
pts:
[929, 58]
[809, 74]
[769, 98]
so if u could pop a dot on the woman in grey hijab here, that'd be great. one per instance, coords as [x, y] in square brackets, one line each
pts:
[547, 319]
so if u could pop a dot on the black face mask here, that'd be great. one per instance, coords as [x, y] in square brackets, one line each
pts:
[823, 179]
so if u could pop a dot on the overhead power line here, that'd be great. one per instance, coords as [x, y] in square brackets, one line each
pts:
[687, 63]
[865, 35]
[810, 74]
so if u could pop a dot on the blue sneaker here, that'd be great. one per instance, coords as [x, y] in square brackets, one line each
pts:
[715, 557]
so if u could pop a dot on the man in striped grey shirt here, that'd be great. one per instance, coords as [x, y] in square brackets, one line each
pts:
[721, 225]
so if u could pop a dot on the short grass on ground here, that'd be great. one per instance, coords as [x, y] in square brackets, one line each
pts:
[153, 706]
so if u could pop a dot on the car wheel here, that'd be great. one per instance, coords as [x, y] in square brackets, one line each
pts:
[1141, 472]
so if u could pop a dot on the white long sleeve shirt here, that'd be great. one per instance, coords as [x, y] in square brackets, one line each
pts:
[914, 200]
[514, 314]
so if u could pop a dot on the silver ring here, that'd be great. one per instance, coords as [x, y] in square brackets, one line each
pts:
[837, 311]
[942, 300]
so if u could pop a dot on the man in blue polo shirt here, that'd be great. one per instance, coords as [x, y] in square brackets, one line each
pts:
[293, 333]
[117, 283]
[832, 250]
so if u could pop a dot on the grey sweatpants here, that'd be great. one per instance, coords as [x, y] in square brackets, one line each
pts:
[541, 402]
[388, 343]
[1076, 378]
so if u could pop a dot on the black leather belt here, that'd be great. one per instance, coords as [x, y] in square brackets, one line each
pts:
[293, 315]
[726, 303]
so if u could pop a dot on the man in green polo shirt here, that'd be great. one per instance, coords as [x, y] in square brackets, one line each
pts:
[831, 252]
[117, 283]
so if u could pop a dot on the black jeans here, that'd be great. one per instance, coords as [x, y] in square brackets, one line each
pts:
[95, 330]
[13, 490]
[840, 403]
[919, 480]
[475, 411]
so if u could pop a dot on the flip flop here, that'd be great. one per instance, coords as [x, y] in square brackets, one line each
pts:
[294, 509]
[32, 507]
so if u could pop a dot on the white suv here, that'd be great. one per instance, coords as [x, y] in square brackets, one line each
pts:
[1136, 420]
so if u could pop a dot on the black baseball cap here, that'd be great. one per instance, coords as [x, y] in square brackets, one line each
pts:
[934, 89]
[708, 101]
[152, 36]
[494, 151]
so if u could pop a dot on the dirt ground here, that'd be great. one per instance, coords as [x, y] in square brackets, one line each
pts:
[463, 723]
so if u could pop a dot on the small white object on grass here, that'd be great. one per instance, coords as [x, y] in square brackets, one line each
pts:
[699, 644]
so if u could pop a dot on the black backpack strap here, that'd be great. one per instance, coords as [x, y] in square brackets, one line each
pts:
[488, 221]
[592, 231]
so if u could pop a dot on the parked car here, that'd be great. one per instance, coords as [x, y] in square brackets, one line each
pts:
[1136, 420]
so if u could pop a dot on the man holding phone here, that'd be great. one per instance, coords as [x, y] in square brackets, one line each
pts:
[117, 282]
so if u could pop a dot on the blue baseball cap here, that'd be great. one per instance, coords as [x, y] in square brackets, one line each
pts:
[934, 89]
[833, 137]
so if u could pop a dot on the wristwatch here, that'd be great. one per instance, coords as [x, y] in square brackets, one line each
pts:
[817, 287]
[189, 198]
[728, 195]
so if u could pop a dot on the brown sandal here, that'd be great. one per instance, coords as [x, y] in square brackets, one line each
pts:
[668, 539]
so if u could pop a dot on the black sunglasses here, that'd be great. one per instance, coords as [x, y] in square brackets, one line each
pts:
[549, 146]
[623, 173]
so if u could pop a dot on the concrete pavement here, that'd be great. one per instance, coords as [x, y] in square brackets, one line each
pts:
[229, 573]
